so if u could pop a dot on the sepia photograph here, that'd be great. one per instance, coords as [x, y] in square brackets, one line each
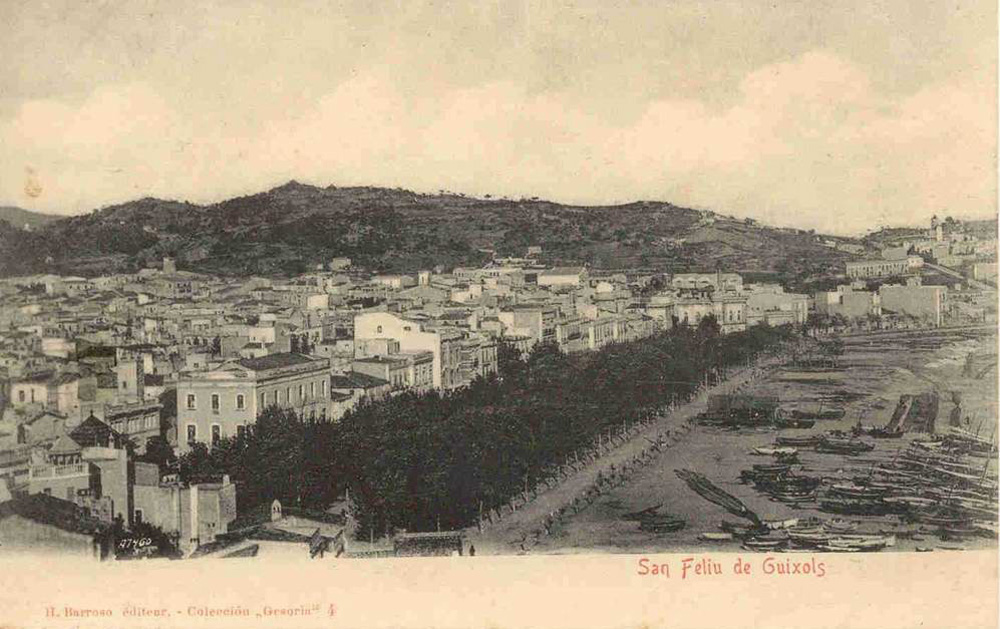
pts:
[387, 300]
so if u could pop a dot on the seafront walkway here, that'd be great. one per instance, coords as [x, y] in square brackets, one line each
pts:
[520, 524]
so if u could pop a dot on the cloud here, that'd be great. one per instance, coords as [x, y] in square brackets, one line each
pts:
[807, 142]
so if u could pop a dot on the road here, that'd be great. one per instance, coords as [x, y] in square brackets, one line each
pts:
[506, 536]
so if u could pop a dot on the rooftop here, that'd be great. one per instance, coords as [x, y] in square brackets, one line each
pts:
[355, 380]
[276, 361]
[55, 512]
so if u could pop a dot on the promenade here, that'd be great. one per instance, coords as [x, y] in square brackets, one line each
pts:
[519, 528]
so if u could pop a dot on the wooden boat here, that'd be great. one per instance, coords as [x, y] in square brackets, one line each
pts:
[859, 543]
[764, 544]
[661, 524]
[707, 490]
[716, 537]
[807, 441]
[939, 518]
[843, 446]
[838, 549]
[787, 483]
[831, 414]
[774, 451]
[840, 525]
[910, 502]
[638, 515]
[856, 491]
[877, 432]
[794, 423]
[854, 506]
[739, 529]
[808, 540]
[959, 532]
[793, 498]
[781, 524]
[772, 467]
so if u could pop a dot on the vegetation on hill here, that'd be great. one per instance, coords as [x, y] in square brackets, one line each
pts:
[25, 219]
[295, 227]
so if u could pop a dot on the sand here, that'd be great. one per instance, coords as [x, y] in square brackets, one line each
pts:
[873, 372]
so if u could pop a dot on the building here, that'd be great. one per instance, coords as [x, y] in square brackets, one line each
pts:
[538, 322]
[221, 403]
[410, 370]
[773, 306]
[563, 276]
[867, 269]
[725, 282]
[42, 524]
[90, 466]
[353, 387]
[59, 392]
[195, 513]
[58, 347]
[984, 271]
[444, 343]
[137, 421]
[928, 303]
[848, 303]
[729, 310]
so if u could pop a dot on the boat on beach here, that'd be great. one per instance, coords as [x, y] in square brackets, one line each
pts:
[774, 451]
[805, 441]
[716, 537]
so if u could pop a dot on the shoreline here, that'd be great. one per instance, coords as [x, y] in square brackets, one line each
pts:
[871, 378]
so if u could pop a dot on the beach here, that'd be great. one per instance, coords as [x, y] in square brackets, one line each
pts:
[871, 375]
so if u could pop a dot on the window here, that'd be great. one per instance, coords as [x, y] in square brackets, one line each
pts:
[378, 330]
[312, 415]
[312, 389]
[20, 396]
[263, 400]
[138, 516]
[215, 402]
[69, 494]
[241, 431]
[322, 388]
[241, 402]
[192, 433]
[216, 434]
[288, 395]
[190, 401]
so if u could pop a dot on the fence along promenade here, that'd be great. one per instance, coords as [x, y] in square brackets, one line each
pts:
[609, 462]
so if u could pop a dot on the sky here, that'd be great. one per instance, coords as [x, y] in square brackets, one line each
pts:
[840, 117]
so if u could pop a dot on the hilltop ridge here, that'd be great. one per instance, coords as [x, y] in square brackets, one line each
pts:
[291, 228]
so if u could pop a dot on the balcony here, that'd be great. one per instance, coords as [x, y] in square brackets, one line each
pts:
[59, 471]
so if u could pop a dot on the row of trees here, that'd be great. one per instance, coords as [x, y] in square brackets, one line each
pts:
[423, 461]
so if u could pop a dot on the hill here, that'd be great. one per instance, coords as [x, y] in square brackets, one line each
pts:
[21, 218]
[291, 228]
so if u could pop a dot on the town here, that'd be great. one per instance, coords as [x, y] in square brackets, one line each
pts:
[115, 388]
